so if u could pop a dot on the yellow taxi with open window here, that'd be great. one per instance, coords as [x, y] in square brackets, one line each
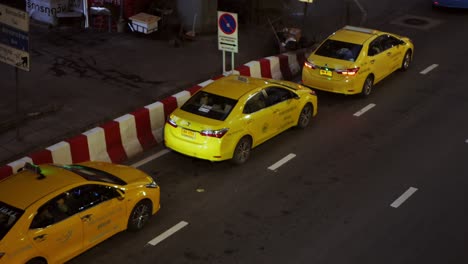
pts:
[52, 213]
[353, 59]
[227, 118]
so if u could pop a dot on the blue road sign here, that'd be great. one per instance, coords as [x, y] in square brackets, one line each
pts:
[13, 37]
[227, 24]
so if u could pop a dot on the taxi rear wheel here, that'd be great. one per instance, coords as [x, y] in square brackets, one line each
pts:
[406, 61]
[305, 116]
[140, 215]
[37, 261]
[367, 87]
[242, 151]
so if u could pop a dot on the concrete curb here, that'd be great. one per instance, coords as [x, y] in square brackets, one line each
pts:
[132, 133]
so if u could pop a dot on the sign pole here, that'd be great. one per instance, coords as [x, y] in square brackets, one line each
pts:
[224, 61]
[18, 116]
[232, 62]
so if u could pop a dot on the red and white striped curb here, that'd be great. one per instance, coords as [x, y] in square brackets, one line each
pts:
[132, 133]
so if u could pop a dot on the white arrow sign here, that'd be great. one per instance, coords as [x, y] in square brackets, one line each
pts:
[14, 57]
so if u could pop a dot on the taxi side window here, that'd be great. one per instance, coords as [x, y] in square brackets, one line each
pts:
[255, 103]
[278, 95]
[389, 42]
[374, 48]
[56, 210]
[93, 194]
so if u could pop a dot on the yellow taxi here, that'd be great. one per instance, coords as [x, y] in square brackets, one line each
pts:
[353, 59]
[51, 213]
[230, 116]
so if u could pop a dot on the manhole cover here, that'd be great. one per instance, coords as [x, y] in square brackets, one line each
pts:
[418, 22]
[415, 21]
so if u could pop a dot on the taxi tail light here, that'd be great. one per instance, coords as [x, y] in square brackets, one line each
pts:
[310, 65]
[152, 185]
[171, 122]
[214, 133]
[2, 254]
[348, 72]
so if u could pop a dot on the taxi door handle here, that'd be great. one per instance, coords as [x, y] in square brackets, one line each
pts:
[250, 121]
[41, 237]
[389, 53]
[275, 111]
[86, 218]
[372, 61]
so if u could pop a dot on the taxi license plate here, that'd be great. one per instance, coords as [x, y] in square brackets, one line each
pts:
[326, 73]
[188, 133]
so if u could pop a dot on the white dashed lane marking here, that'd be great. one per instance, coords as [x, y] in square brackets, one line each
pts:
[403, 197]
[167, 233]
[365, 109]
[150, 158]
[428, 69]
[282, 161]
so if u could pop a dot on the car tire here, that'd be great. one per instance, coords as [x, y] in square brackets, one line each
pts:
[37, 261]
[140, 215]
[242, 151]
[367, 86]
[305, 116]
[406, 61]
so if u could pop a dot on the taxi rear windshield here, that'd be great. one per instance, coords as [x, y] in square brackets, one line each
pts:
[8, 217]
[209, 105]
[339, 50]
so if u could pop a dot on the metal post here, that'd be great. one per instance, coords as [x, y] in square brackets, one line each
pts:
[224, 61]
[305, 15]
[18, 115]
[347, 13]
[232, 62]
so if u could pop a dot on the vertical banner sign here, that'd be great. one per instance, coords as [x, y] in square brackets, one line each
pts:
[14, 37]
[227, 32]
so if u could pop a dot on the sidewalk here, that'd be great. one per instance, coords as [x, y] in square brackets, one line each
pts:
[80, 80]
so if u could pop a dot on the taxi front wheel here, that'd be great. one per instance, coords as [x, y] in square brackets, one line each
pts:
[406, 61]
[242, 151]
[140, 215]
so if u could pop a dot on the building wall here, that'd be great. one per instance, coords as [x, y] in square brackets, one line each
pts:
[205, 11]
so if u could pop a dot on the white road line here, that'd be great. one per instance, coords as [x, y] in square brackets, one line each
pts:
[282, 162]
[365, 109]
[403, 197]
[466, 141]
[150, 158]
[167, 233]
[430, 68]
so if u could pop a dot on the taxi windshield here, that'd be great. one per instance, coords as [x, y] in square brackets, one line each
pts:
[209, 105]
[8, 217]
[92, 174]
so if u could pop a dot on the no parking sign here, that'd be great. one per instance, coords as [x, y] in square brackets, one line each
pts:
[227, 31]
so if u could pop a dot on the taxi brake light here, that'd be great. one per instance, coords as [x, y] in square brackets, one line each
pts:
[214, 133]
[349, 72]
[310, 65]
[171, 122]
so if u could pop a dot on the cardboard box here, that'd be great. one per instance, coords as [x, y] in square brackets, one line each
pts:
[144, 23]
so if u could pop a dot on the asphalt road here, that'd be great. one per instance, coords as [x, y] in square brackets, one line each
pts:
[387, 186]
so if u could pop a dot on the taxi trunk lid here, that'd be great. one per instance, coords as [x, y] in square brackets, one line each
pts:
[194, 128]
[330, 68]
